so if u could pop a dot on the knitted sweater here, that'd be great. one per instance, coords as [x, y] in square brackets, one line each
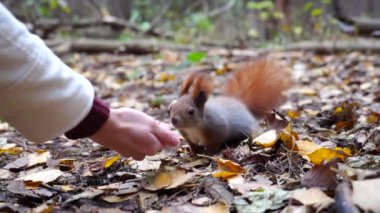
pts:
[39, 95]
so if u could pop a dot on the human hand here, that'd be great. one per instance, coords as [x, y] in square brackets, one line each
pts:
[134, 134]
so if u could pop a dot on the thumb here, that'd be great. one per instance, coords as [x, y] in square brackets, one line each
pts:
[164, 135]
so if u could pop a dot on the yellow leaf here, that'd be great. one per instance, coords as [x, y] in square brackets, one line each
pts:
[224, 175]
[324, 154]
[227, 169]
[12, 150]
[306, 147]
[287, 137]
[294, 114]
[267, 139]
[169, 178]
[67, 188]
[111, 160]
[227, 165]
[164, 77]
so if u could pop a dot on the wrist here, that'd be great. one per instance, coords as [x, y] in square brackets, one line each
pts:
[92, 123]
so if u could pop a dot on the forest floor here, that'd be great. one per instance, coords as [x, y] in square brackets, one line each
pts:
[324, 151]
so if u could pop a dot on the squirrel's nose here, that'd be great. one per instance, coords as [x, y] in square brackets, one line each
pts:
[174, 120]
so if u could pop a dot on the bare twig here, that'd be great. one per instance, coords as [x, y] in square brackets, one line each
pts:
[222, 9]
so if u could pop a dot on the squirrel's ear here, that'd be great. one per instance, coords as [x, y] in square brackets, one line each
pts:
[188, 82]
[201, 90]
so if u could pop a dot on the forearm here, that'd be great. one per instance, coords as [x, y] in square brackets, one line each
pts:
[40, 96]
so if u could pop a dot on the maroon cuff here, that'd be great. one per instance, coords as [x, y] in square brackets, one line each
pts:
[95, 119]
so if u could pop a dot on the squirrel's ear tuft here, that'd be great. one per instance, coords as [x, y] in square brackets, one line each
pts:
[200, 99]
[201, 90]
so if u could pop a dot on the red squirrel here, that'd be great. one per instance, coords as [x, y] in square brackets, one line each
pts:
[208, 124]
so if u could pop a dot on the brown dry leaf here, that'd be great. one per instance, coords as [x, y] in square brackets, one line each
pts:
[43, 208]
[219, 207]
[321, 176]
[366, 194]
[166, 179]
[312, 196]
[227, 169]
[117, 199]
[267, 139]
[43, 176]
[111, 160]
[374, 118]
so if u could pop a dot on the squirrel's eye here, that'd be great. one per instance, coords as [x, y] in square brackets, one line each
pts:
[190, 111]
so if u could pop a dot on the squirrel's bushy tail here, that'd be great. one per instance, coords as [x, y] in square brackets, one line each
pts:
[260, 84]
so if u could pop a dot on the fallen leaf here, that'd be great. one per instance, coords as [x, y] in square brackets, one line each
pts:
[219, 207]
[44, 176]
[166, 179]
[287, 137]
[30, 160]
[365, 194]
[67, 188]
[89, 193]
[43, 208]
[261, 201]
[324, 154]
[5, 174]
[201, 201]
[111, 160]
[312, 196]
[294, 114]
[267, 139]
[321, 176]
[117, 199]
[11, 149]
[146, 165]
[227, 169]
[240, 185]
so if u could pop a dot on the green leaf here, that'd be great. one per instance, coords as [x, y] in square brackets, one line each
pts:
[43, 11]
[316, 12]
[308, 6]
[195, 57]
[53, 4]
[267, 4]
[156, 101]
[297, 30]
[124, 37]
[145, 26]
[326, 2]
[264, 16]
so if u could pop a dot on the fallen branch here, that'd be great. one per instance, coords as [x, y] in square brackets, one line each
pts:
[360, 45]
[50, 25]
[105, 45]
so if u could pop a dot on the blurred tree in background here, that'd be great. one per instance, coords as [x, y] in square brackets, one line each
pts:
[213, 22]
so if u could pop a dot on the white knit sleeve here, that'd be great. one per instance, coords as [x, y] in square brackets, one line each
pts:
[39, 95]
